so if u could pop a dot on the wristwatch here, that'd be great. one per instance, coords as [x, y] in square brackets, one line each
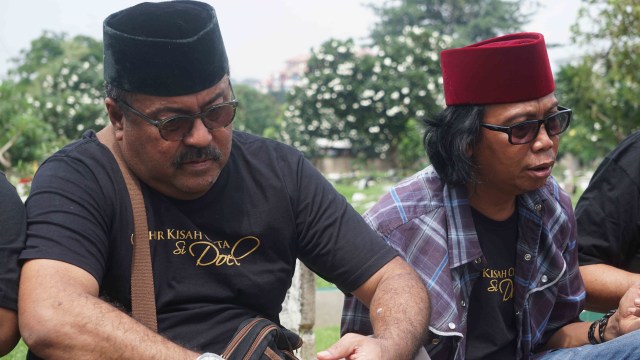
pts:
[210, 356]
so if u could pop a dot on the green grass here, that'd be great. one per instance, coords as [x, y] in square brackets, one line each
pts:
[326, 336]
[18, 353]
[323, 284]
[362, 199]
[590, 316]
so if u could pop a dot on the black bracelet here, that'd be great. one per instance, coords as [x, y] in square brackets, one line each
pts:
[591, 335]
[603, 324]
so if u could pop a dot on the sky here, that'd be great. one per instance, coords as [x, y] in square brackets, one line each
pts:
[260, 35]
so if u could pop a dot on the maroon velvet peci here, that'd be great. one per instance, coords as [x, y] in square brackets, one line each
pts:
[505, 69]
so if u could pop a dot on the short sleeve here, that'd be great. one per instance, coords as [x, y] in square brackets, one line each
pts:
[12, 235]
[608, 217]
[72, 206]
[335, 241]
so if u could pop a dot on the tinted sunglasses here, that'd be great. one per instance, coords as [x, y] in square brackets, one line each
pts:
[176, 128]
[526, 131]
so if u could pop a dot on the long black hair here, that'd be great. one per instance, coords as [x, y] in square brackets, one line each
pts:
[448, 140]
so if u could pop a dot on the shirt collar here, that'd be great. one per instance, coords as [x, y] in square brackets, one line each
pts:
[463, 243]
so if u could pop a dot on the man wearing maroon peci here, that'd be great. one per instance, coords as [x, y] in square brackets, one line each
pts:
[488, 228]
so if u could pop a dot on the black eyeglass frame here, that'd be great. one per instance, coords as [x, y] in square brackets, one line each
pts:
[508, 129]
[201, 115]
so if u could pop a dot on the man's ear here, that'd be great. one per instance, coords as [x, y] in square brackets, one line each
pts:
[116, 116]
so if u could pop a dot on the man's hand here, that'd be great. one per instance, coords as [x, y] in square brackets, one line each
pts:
[627, 318]
[354, 346]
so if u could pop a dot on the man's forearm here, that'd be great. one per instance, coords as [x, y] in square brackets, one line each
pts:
[98, 330]
[63, 322]
[605, 285]
[399, 312]
[9, 334]
[570, 335]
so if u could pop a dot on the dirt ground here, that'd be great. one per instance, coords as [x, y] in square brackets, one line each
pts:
[328, 307]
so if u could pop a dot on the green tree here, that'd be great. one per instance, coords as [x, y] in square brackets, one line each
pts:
[25, 138]
[62, 80]
[603, 86]
[331, 102]
[376, 98]
[257, 113]
[466, 21]
[346, 96]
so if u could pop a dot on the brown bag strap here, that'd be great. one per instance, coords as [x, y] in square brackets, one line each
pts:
[143, 302]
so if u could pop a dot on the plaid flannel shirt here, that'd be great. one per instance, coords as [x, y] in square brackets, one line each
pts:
[430, 224]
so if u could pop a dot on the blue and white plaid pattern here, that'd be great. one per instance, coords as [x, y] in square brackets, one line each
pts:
[430, 224]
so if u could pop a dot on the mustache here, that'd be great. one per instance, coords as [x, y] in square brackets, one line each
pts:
[197, 154]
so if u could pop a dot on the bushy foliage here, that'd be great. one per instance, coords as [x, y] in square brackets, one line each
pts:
[21, 133]
[62, 80]
[257, 113]
[52, 94]
[603, 86]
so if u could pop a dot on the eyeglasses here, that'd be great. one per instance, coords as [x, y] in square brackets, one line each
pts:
[526, 131]
[176, 128]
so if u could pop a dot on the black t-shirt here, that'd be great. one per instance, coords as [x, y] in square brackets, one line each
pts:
[608, 213]
[217, 260]
[491, 327]
[12, 233]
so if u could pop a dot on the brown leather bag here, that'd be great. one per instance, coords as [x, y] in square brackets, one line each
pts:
[262, 339]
